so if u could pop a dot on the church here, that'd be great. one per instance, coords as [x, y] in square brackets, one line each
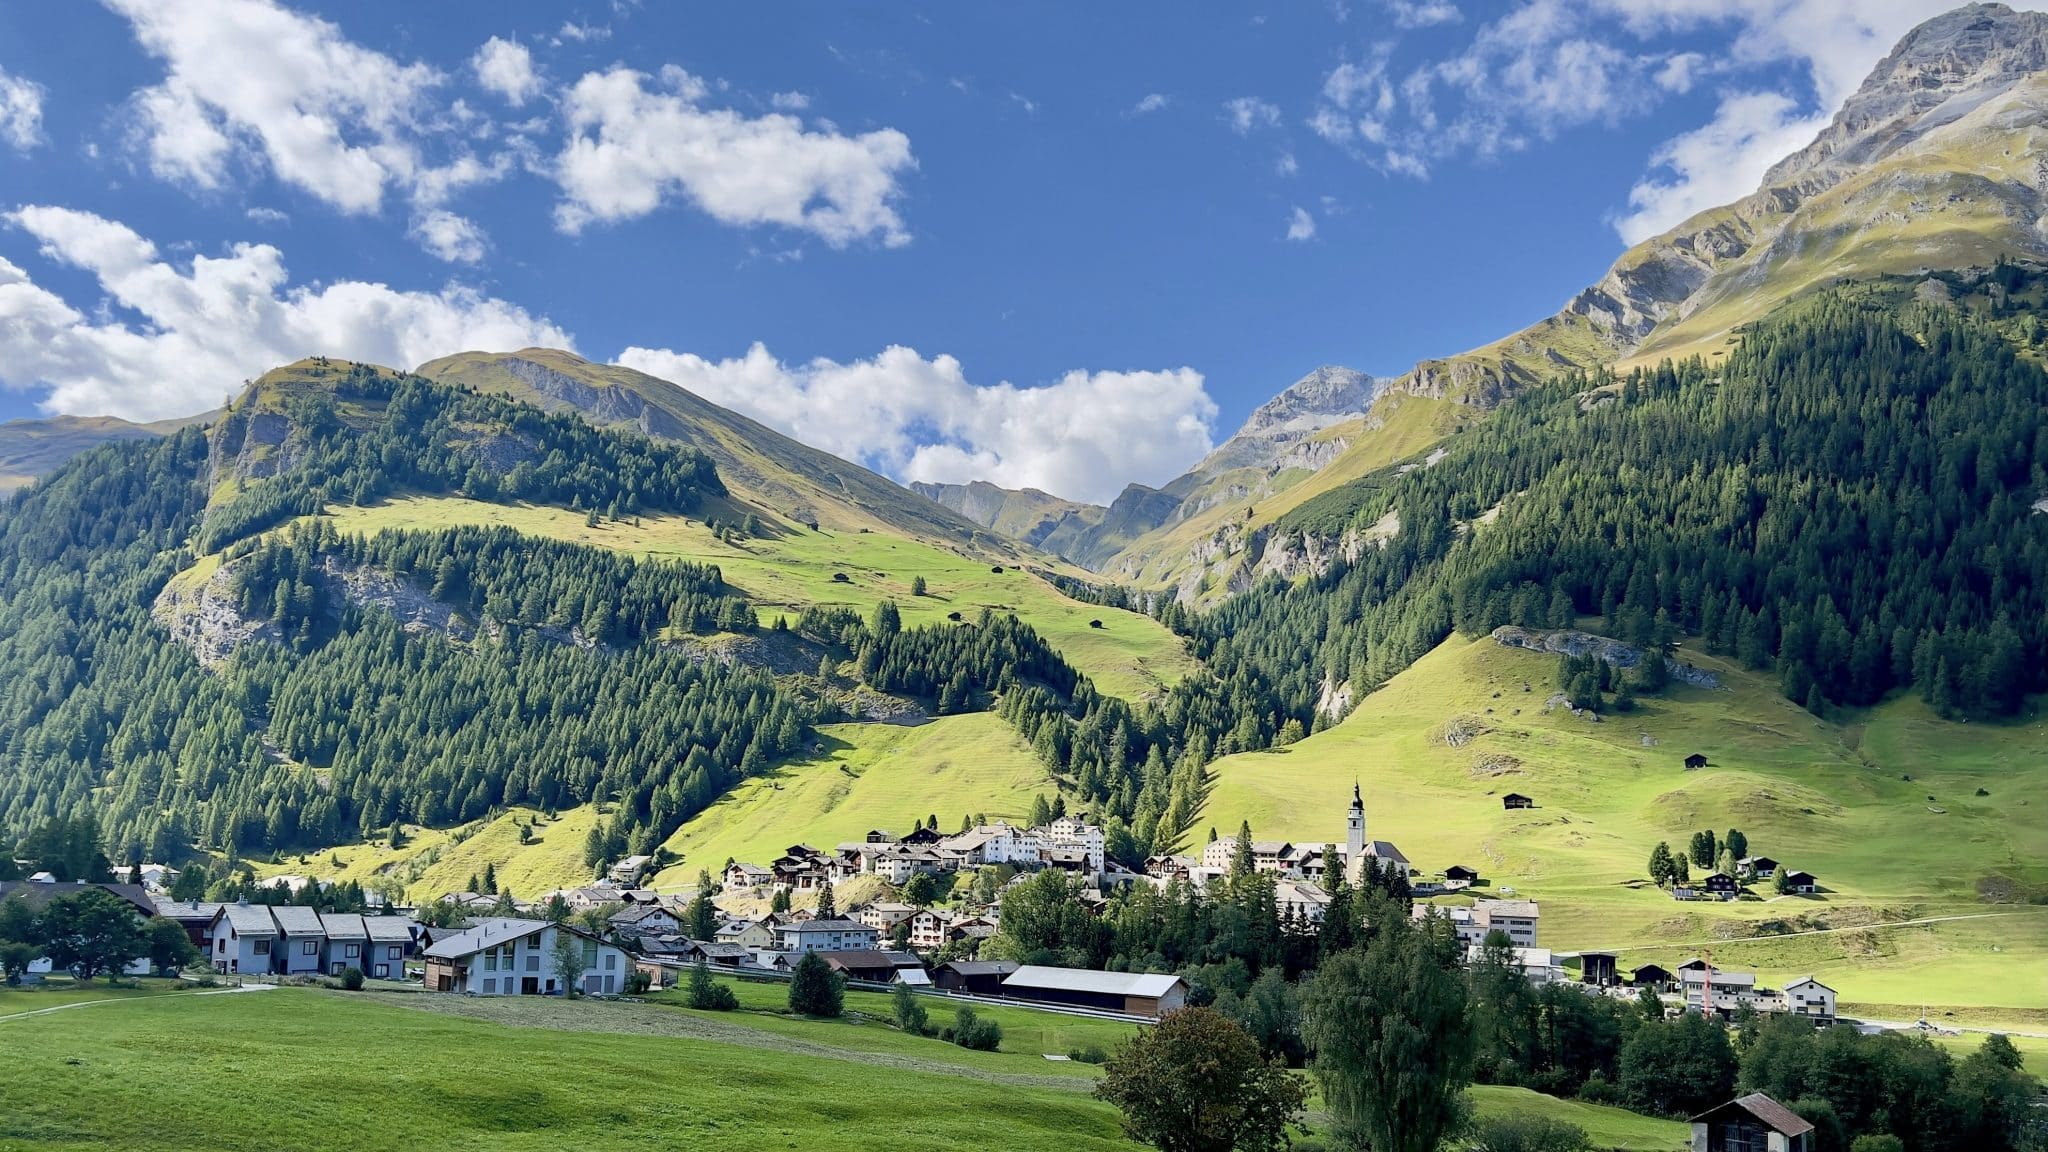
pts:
[1357, 849]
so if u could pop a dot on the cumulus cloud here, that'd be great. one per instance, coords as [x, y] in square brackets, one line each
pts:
[199, 329]
[21, 111]
[1083, 436]
[1153, 102]
[1422, 13]
[449, 237]
[344, 123]
[1300, 225]
[635, 141]
[1718, 162]
[1248, 112]
[789, 101]
[506, 68]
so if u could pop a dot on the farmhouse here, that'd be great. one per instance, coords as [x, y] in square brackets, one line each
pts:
[1133, 993]
[1810, 998]
[1515, 800]
[627, 872]
[1803, 883]
[1599, 969]
[1755, 1123]
[1760, 867]
[507, 957]
[1460, 875]
[974, 977]
[751, 934]
[1695, 762]
[738, 875]
[1721, 886]
[194, 916]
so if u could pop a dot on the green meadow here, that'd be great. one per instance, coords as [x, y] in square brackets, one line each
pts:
[1882, 805]
[791, 567]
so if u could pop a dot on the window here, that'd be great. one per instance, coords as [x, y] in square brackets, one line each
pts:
[490, 959]
[263, 947]
[590, 954]
[533, 961]
[394, 952]
[310, 948]
[611, 964]
[490, 985]
[351, 950]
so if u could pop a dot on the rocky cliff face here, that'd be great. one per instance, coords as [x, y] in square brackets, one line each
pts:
[1326, 396]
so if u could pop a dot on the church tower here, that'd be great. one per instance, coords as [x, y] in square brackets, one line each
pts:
[1354, 839]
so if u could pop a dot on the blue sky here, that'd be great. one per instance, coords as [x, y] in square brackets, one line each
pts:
[1062, 245]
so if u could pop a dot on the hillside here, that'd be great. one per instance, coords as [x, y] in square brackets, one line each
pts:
[1039, 519]
[1846, 798]
[772, 475]
[30, 449]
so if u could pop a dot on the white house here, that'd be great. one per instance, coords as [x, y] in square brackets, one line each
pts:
[627, 872]
[1301, 899]
[1730, 991]
[1810, 998]
[1517, 918]
[507, 957]
[833, 935]
[1075, 833]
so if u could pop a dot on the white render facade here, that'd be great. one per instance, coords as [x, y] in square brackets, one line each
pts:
[506, 957]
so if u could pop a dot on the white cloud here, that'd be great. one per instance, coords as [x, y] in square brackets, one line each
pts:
[583, 33]
[1248, 112]
[1082, 437]
[261, 215]
[21, 111]
[1300, 225]
[449, 237]
[631, 146]
[1153, 102]
[1423, 13]
[1719, 162]
[789, 101]
[193, 333]
[506, 68]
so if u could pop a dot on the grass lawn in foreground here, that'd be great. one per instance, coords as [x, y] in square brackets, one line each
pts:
[294, 1069]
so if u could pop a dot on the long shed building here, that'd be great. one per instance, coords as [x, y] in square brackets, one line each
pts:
[1132, 993]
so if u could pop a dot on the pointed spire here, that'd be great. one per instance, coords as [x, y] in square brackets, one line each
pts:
[1356, 800]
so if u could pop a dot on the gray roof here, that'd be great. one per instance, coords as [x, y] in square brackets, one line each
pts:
[1769, 1111]
[293, 920]
[639, 912]
[484, 934]
[1089, 980]
[187, 909]
[344, 926]
[1385, 850]
[982, 967]
[834, 925]
[388, 929]
[41, 892]
[249, 919]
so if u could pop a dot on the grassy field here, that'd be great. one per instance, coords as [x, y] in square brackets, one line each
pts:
[1131, 655]
[867, 776]
[1831, 798]
[1606, 1128]
[306, 1070]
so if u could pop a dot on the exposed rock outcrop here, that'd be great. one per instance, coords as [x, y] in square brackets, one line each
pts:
[1613, 653]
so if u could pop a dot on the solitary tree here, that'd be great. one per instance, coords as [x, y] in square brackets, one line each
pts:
[1661, 867]
[1393, 1049]
[815, 989]
[568, 960]
[93, 931]
[910, 1013]
[827, 910]
[708, 994]
[1198, 1083]
[920, 890]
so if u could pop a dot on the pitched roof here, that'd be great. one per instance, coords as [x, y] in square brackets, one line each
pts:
[638, 912]
[249, 919]
[1089, 980]
[1764, 1108]
[484, 934]
[293, 920]
[187, 909]
[871, 958]
[41, 892]
[1806, 980]
[833, 925]
[1385, 850]
[344, 926]
[388, 929]
[1523, 909]
[982, 967]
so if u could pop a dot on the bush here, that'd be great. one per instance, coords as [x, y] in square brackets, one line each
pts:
[709, 995]
[1093, 1054]
[1526, 1134]
[1877, 1142]
[970, 1031]
[638, 982]
[815, 989]
[352, 979]
[910, 1013]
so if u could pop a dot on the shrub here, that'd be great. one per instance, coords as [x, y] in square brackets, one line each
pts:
[910, 1013]
[1093, 1054]
[707, 994]
[352, 979]
[1527, 1134]
[970, 1031]
[637, 983]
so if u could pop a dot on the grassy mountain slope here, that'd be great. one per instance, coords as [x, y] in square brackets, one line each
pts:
[34, 448]
[1132, 655]
[1831, 798]
[433, 862]
[779, 477]
[863, 777]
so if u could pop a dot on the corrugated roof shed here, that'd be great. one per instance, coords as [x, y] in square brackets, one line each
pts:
[1088, 980]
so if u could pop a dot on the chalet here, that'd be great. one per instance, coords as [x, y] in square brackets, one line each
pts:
[929, 928]
[628, 872]
[751, 934]
[738, 875]
[921, 838]
[973, 977]
[392, 939]
[243, 938]
[1710, 988]
[884, 915]
[644, 920]
[194, 916]
[1757, 867]
[1460, 875]
[1075, 860]
[1271, 855]
[1599, 969]
[1803, 883]
[1168, 868]
[1516, 800]
[1300, 900]
[832, 935]
[1695, 762]
[1650, 976]
[1754, 1123]
[508, 957]
[1720, 886]
[345, 941]
[1810, 998]
[1132, 993]
[970, 928]
[877, 966]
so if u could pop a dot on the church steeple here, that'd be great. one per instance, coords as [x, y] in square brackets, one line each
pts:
[1354, 840]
